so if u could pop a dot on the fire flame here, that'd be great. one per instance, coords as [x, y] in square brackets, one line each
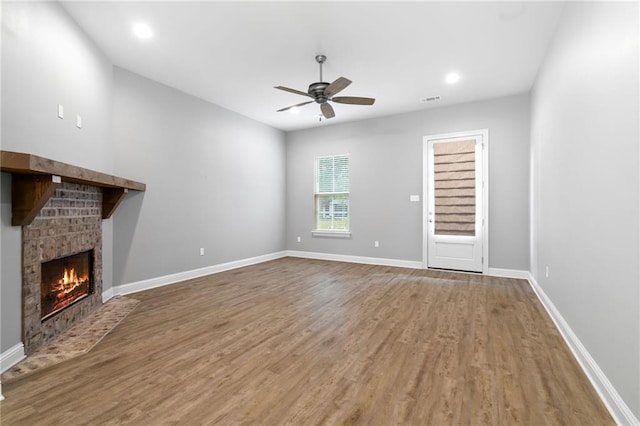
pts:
[69, 282]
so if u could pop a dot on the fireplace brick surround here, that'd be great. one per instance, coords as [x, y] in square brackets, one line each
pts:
[70, 222]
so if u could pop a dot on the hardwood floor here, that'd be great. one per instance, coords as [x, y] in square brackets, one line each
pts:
[297, 341]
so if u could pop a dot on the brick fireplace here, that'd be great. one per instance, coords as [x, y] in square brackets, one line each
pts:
[60, 208]
[69, 223]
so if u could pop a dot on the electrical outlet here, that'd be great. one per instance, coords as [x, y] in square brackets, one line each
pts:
[376, 243]
[60, 111]
[201, 251]
[78, 122]
[298, 239]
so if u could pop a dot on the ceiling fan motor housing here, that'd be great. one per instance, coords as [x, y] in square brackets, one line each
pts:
[317, 91]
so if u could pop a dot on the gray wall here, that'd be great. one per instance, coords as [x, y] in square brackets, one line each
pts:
[47, 60]
[215, 180]
[386, 168]
[10, 272]
[584, 144]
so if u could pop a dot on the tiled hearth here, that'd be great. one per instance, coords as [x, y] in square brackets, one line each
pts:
[69, 223]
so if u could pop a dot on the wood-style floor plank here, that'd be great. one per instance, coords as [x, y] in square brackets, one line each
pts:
[297, 341]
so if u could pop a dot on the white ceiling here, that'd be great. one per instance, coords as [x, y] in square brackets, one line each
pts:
[233, 53]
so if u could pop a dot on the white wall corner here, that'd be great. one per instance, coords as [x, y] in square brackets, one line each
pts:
[11, 357]
[150, 283]
[618, 409]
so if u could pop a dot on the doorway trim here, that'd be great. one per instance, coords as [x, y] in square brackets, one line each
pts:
[484, 133]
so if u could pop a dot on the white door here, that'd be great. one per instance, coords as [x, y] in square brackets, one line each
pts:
[455, 200]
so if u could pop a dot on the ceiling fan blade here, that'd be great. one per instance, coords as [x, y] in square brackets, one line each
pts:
[293, 106]
[297, 92]
[353, 100]
[336, 86]
[327, 110]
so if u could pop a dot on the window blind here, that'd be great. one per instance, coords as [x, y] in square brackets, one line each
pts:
[332, 174]
[332, 193]
[455, 188]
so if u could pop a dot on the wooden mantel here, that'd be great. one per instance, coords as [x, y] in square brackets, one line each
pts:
[35, 180]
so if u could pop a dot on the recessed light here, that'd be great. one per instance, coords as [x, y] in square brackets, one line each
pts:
[142, 30]
[452, 78]
[294, 110]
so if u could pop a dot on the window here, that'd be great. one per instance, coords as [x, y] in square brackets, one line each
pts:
[332, 194]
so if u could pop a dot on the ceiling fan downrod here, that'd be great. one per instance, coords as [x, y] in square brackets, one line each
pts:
[321, 59]
[316, 90]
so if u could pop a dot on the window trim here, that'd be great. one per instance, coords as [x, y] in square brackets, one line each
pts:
[331, 233]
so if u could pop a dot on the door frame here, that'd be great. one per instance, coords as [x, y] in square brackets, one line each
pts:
[484, 133]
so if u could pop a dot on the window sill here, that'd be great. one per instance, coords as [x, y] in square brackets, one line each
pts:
[330, 234]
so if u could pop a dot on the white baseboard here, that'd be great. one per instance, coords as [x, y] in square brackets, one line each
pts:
[356, 259]
[148, 284]
[107, 294]
[508, 273]
[496, 272]
[618, 409]
[11, 357]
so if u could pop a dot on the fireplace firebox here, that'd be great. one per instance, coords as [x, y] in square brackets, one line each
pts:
[65, 281]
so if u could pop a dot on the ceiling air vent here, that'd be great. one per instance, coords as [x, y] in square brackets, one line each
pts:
[430, 99]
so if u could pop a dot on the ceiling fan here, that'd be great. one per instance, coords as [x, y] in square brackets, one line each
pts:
[322, 92]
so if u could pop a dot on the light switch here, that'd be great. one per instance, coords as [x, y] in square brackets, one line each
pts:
[60, 111]
[78, 122]
[414, 198]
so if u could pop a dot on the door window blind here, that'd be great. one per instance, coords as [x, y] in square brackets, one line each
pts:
[455, 188]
